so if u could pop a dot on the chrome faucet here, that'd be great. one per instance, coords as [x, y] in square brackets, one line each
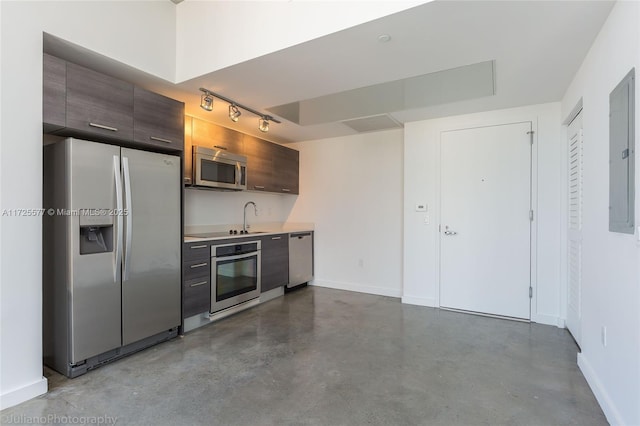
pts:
[255, 210]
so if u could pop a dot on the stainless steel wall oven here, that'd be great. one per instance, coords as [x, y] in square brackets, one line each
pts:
[235, 274]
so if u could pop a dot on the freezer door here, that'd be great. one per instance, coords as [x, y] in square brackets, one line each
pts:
[151, 267]
[93, 173]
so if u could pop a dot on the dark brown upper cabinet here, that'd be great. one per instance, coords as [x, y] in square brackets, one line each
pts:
[213, 136]
[157, 120]
[286, 166]
[98, 104]
[259, 164]
[271, 167]
[54, 93]
[81, 102]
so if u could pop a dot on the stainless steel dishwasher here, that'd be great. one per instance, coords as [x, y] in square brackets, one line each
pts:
[300, 258]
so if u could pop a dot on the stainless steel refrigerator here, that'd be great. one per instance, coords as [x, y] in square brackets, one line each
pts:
[111, 252]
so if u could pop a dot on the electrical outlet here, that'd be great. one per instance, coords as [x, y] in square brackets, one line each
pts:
[361, 263]
[427, 220]
[603, 335]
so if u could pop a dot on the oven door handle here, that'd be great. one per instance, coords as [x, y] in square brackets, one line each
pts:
[236, 257]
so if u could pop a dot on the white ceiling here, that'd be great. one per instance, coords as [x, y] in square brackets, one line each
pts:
[537, 47]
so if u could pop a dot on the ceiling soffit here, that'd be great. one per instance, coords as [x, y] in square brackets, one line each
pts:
[452, 85]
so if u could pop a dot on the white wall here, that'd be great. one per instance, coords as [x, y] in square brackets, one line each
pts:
[145, 38]
[422, 185]
[203, 207]
[351, 189]
[251, 29]
[611, 261]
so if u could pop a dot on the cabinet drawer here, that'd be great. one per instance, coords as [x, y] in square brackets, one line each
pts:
[196, 268]
[196, 296]
[193, 251]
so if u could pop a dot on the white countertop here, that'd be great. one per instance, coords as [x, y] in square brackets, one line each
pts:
[193, 233]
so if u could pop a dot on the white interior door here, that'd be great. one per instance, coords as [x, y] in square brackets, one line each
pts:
[574, 256]
[485, 235]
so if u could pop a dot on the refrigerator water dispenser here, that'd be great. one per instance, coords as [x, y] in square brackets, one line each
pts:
[96, 235]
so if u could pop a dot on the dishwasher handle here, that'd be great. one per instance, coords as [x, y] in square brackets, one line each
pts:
[300, 235]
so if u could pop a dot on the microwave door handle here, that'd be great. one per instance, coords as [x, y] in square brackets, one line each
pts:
[238, 174]
[117, 264]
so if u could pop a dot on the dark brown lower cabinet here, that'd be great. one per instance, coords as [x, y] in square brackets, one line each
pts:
[275, 261]
[196, 280]
[196, 296]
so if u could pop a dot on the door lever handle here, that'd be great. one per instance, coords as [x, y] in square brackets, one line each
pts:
[450, 233]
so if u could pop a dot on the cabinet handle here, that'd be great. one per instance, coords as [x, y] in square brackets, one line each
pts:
[153, 138]
[199, 265]
[276, 238]
[197, 284]
[258, 187]
[198, 247]
[220, 147]
[286, 190]
[102, 126]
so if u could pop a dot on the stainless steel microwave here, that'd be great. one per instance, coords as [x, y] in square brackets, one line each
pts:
[213, 168]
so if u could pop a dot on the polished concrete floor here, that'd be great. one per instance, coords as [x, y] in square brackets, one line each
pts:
[327, 357]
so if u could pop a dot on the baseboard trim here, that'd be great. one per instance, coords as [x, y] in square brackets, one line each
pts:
[359, 288]
[23, 394]
[608, 407]
[547, 320]
[420, 301]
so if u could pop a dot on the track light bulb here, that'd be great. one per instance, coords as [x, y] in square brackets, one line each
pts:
[234, 113]
[206, 102]
[263, 125]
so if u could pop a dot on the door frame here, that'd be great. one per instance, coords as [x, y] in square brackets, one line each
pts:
[480, 123]
[564, 246]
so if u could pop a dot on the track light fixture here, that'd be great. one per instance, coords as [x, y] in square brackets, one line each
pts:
[234, 112]
[263, 125]
[206, 103]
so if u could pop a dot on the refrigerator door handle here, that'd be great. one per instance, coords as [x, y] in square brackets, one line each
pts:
[127, 194]
[117, 265]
